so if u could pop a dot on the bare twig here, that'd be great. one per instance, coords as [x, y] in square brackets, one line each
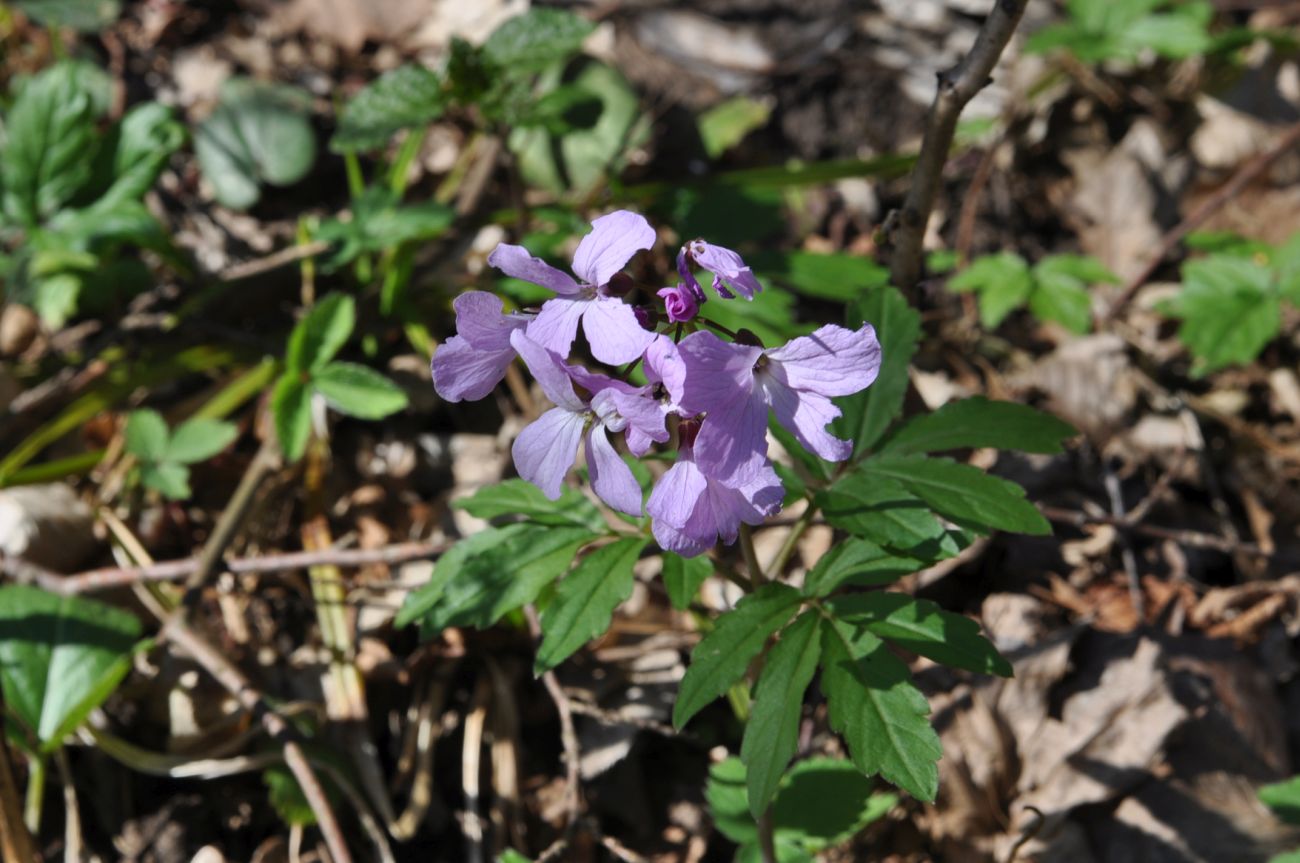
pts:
[568, 734]
[957, 86]
[1115, 494]
[275, 260]
[1231, 189]
[15, 840]
[1186, 537]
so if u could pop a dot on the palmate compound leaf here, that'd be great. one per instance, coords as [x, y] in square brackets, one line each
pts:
[721, 657]
[881, 511]
[60, 657]
[520, 497]
[858, 562]
[772, 732]
[978, 422]
[873, 705]
[923, 628]
[490, 573]
[1003, 281]
[898, 327]
[585, 600]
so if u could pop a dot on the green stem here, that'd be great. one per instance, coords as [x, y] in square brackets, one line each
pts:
[35, 794]
[751, 558]
[792, 540]
[401, 172]
[767, 837]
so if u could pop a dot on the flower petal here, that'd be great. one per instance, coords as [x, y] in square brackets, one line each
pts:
[717, 372]
[677, 492]
[687, 544]
[481, 321]
[556, 325]
[832, 361]
[516, 261]
[663, 364]
[463, 371]
[549, 371]
[805, 415]
[646, 419]
[612, 330]
[546, 448]
[611, 478]
[732, 444]
[613, 240]
[726, 266]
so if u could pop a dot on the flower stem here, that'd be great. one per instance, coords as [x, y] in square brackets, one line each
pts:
[792, 539]
[751, 558]
[767, 837]
[717, 326]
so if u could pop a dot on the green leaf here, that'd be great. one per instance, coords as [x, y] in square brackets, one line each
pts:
[510, 855]
[321, 334]
[922, 627]
[772, 732]
[55, 298]
[490, 573]
[721, 657]
[259, 132]
[824, 802]
[172, 480]
[379, 224]
[286, 797]
[49, 145]
[520, 497]
[886, 514]
[1003, 282]
[586, 599]
[683, 577]
[291, 410]
[837, 277]
[860, 563]
[359, 391]
[199, 439]
[728, 801]
[536, 39]
[964, 494]
[1284, 799]
[1170, 35]
[978, 422]
[898, 327]
[402, 98]
[876, 709]
[145, 139]
[726, 124]
[60, 657]
[146, 435]
[84, 16]
[1229, 311]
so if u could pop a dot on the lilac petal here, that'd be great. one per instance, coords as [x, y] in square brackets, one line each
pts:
[646, 420]
[726, 266]
[613, 332]
[611, 478]
[594, 382]
[546, 449]
[732, 444]
[717, 372]
[549, 371]
[806, 415]
[679, 303]
[833, 361]
[613, 240]
[462, 371]
[516, 261]
[688, 278]
[663, 364]
[679, 541]
[675, 495]
[556, 325]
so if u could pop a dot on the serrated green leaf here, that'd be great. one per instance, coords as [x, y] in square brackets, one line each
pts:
[536, 39]
[886, 514]
[721, 657]
[491, 573]
[359, 391]
[60, 657]
[898, 327]
[520, 497]
[978, 422]
[146, 435]
[291, 410]
[924, 628]
[1284, 799]
[402, 98]
[964, 494]
[726, 124]
[1003, 282]
[321, 333]
[860, 563]
[199, 439]
[1229, 311]
[683, 577]
[586, 599]
[170, 479]
[873, 705]
[824, 802]
[772, 732]
[1061, 299]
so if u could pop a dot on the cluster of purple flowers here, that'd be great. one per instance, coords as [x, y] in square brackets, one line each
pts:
[716, 393]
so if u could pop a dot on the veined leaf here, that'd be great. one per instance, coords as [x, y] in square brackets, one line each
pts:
[535, 39]
[586, 599]
[291, 411]
[978, 422]
[402, 98]
[898, 326]
[520, 497]
[965, 494]
[883, 512]
[358, 391]
[168, 478]
[721, 657]
[146, 435]
[922, 627]
[321, 333]
[683, 577]
[857, 562]
[1003, 282]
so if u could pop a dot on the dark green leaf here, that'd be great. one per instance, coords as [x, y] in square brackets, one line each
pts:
[860, 563]
[146, 138]
[60, 657]
[683, 577]
[520, 497]
[291, 410]
[824, 802]
[886, 514]
[721, 657]
[402, 98]
[321, 334]
[1003, 282]
[978, 422]
[586, 599]
[170, 479]
[922, 627]
[729, 801]
[964, 494]
[146, 435]
[536, 39]
[359, 391]
[898, 326]
[772, 732]
[199, 439]
[876, 709]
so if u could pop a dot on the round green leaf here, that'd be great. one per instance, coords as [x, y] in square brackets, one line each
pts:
[199, 439]
[146, 435]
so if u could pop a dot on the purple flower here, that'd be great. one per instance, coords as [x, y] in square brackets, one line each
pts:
[610, 325]
[470, 364]
[729, 271]
[691, 511]
[680, 303]
[546, 448]
[734, 385]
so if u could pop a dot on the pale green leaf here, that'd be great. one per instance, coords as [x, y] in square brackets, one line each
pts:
[199, 439]
[726, 124]
[1003, 282]
[535, 39]
[321, 333]
[291, 411]
[170, 479]
[146, 435]
[586, 599]
[1284, 799]
[359, 391]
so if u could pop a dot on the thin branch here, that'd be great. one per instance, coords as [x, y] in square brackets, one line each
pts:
[957, 86]
[568, 736]
[1193, 538]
